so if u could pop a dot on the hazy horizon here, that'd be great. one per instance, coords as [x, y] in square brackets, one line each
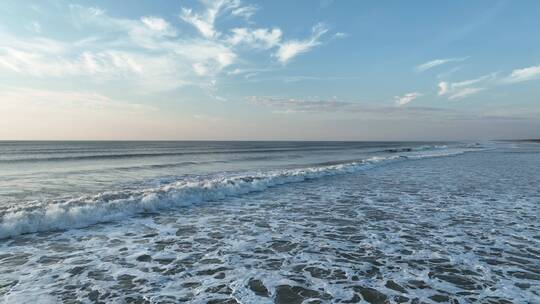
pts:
[252, 70]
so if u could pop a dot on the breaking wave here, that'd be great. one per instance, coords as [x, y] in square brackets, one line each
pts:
[113, 206]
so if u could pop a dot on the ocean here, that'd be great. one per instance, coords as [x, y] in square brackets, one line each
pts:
[269, 222]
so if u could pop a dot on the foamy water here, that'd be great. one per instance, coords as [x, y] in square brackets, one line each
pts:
[334, 223]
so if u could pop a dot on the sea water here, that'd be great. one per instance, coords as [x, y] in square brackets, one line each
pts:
[269, 222]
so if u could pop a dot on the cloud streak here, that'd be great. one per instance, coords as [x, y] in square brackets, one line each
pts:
[204, 22]
[463, 89]
[260, 38]
[465, 92]
[148, 53]
[294, 106]
[291, 105]
[407, 98]
[55, 100]
[158, 24]
[437, 62]
[292, 48]
[524, 74]
[466, 88]
[281, 105]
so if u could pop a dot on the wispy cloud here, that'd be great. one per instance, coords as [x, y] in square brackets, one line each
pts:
[255, 38]
[148, 53]
[290, 49]
[145, 53]
[281, 105]
[297, 78]
[158, 24]
[437, 62]
[466, 88]
[465, 92]
[292, 105]
[405, 99]
[25, 98]
[463, 89]
[204, 22]
[512, 113]
[524, 74]
[246, 11]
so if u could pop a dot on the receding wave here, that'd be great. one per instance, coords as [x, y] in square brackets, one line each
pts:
[113, 206]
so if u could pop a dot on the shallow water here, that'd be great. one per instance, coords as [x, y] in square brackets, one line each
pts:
[461, 228]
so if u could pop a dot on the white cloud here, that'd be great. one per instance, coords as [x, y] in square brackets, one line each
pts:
[106, 64]
[256, 38]
[437, 62]
[463, 89]
[245, 11]
[36, 44]
[146, 53]
[340, 35]
[204, 22]
[87, 12]
[253, 38]
[465, 92]
[156, 24]
[249, 72]
[525, 74]
[405, 99]
[290, 49]
[444, 87]
[470, 82]
[200, 69]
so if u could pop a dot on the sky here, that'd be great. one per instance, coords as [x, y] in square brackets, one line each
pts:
[269, 70]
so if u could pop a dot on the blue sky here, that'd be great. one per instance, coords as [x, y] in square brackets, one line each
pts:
[232, 69]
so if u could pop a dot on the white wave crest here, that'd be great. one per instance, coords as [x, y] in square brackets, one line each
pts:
[114, 206]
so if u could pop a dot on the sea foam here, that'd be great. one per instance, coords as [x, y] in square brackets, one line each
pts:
[113, 206]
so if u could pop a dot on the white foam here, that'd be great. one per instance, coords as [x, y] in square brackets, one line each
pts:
[106, 207]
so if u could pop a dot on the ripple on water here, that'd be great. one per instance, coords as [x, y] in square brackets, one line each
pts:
[406, 233]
